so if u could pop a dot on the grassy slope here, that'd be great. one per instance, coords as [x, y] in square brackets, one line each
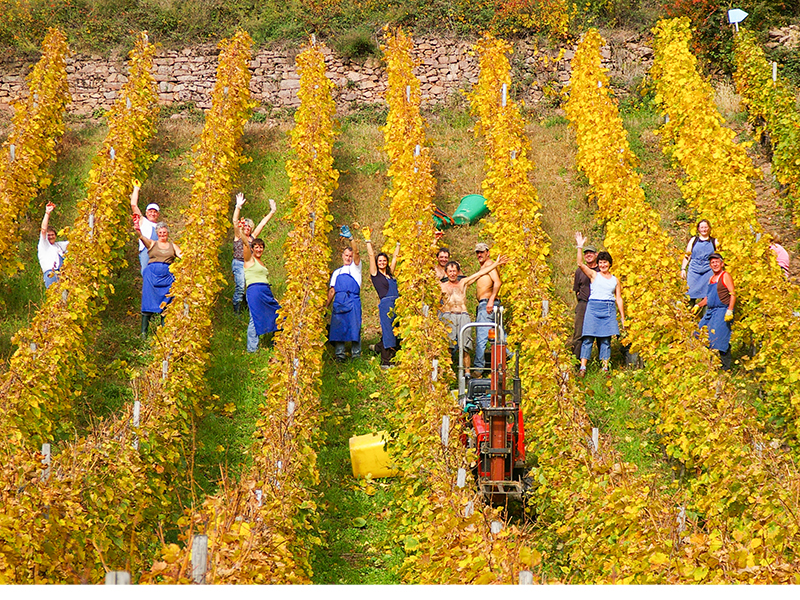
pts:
[354, 395]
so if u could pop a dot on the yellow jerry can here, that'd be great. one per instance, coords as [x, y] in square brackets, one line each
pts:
[369, 457]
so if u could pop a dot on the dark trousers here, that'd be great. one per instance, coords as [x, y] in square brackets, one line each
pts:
[387, 354]
[726, 359]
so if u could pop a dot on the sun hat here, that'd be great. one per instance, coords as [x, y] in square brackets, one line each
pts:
[481, 247]
[154, 206]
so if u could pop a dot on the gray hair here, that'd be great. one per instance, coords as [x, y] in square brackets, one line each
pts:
[162, 225]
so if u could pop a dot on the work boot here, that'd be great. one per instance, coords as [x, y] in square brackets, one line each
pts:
[145, 324]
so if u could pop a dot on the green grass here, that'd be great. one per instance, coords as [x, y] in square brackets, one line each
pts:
[355, 398]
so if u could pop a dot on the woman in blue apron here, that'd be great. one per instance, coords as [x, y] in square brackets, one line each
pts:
[720, 301]
[262, 304]
[600, 321]
[699, 248]
[156, 278]
[385, 284]
[345, 295]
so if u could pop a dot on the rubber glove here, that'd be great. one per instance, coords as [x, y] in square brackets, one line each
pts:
[272, 206]
[729, 315]
[367, 233]
[136, 182]
[344, 231]
[696, 308]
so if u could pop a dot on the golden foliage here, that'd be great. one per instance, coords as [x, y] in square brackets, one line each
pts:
[37, 126]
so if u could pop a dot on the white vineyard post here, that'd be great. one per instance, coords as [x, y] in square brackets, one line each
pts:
[526, 578]
[45, 462]
[445, 433]
[199, 558]
[118, 578]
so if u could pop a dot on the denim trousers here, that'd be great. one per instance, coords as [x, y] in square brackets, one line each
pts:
[603, 342]
[237, 266]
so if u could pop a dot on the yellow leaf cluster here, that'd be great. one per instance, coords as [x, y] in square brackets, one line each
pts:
[37, 126]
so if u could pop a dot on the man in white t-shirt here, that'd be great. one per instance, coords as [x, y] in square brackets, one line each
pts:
[345, 294]
[51, 253]
[147, 224]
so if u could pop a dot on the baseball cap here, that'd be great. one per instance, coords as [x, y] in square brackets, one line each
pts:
[589, 249]
[715, 255]
[481, 247]
[154, 206]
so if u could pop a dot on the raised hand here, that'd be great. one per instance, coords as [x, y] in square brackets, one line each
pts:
[136, 183]
[579, 239]
[240, 200]
[49, 207]
[272, 206]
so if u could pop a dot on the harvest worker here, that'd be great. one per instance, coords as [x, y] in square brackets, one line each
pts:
[442, 258]
[698, 250]
[263, 306]
[51, 253]
[720, 301]
[781, 255]
[381, 273]
[147, 225]
[454, 302]
[250, 234]
[157, 278]
[600, 321]
[582, 288]
[345, 294]
[487, 288]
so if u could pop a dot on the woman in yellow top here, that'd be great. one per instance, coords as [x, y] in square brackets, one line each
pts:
[263, 306]
[156, 277]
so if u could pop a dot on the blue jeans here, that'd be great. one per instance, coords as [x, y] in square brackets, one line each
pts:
[482, 333]
[603, 342]
[338, 349]
[144, 258]
[237, 266]
[252, 338]
[50, 277]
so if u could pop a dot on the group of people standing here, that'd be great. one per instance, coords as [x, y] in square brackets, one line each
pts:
[598, 293]
[710, 290]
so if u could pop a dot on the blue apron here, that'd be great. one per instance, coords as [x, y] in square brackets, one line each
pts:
[719, 330]
[263, 307]
[600, 319]
[699, 270]
[346, 316]
[156, 283]
[387, 315]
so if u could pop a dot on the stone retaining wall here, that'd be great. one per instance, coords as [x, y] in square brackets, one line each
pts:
[446, 67]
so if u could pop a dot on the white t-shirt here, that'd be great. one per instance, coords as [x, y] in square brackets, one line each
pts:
[148, 229]
[353, 269]
[50, 254]
[603, 289]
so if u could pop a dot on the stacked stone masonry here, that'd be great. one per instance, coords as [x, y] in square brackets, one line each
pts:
[446, 68]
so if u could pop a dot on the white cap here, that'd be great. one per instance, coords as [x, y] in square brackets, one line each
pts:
[154, 206]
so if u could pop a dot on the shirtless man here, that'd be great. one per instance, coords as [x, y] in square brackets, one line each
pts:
[487, 288]
[454, 301]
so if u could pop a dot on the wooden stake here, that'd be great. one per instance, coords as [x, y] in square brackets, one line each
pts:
[45, 462]
[199, 558]
[118, 578]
